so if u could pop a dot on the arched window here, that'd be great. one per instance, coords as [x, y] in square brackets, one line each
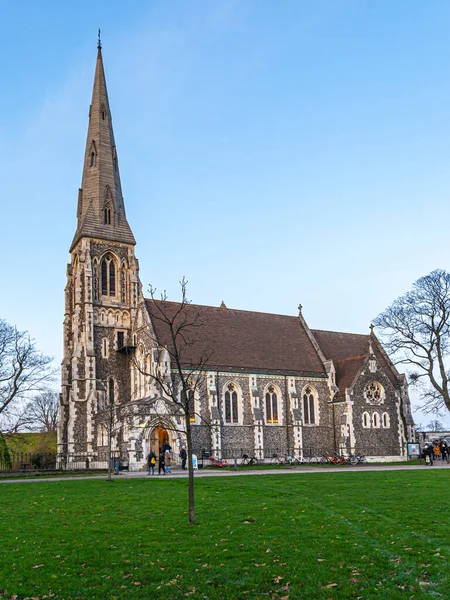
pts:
[111, 396]
[310, 416]
[366, 420]
[271, 405]
[385, 420]
[107, 213]
[231, 404]
[376, 420]
[108, 274]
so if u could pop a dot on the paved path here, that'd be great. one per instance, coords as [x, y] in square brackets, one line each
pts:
[179, 474]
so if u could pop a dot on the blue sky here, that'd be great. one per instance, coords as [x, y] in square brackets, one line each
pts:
[271, 152]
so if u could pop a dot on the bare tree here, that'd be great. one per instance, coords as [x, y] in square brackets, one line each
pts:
[107, 418]
[40, 413]
[435, 425]
[24, 370]
[416, 332]
[182, 377]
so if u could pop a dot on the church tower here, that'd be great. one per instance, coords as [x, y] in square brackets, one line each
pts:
[102, 291]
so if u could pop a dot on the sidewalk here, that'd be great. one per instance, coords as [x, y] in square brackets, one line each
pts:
[179, 474]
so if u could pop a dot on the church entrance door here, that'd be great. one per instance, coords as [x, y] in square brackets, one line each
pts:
[158, 437]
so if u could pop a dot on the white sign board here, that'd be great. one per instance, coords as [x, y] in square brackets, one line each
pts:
[194, 462]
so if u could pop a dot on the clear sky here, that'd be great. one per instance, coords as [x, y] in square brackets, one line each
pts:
[274, 153]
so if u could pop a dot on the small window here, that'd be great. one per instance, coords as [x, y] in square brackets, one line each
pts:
[92, 163]
[385, 420]
[376, 420]
[105, 348]
[120, 343]
[107, 214]
[366, 420]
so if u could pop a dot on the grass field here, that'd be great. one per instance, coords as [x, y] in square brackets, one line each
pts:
[326, 535]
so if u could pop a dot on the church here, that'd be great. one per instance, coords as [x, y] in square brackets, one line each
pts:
[271, 386]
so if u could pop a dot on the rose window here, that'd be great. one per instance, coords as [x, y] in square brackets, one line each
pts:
[373, 392]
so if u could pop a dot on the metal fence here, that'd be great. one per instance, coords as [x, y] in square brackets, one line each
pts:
[308, 452]
[27, 461]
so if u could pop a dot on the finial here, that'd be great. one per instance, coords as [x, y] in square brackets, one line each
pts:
[99, 42]
[371, 329]
[300, 309]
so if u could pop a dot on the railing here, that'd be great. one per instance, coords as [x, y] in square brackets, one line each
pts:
[27, 461]
[267, 454]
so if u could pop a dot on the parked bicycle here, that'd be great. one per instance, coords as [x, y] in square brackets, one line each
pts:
[281, 460]
[247, 460]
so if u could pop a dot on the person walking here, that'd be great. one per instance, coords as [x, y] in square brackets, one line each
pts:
[444, 450]
[168, 461]
[161, 463]
[183, 456]
[428, 454]
[151, 462]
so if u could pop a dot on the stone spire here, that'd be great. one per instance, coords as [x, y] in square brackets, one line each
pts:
[101, 211]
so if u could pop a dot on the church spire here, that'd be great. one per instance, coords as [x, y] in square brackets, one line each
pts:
[101, 210]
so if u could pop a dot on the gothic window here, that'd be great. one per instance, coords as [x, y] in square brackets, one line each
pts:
[376, 420]
[120, 342]
[231, 404]
[310, 416]
[366, 420]
[108, 274]
[374, 392]
[92, 162]
[385, 420]
[111, 396]
[107, 213]
[271, 405]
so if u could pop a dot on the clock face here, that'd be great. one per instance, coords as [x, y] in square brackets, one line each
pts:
[373, 392]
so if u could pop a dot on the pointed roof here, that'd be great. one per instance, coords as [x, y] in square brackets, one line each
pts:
[101, 210]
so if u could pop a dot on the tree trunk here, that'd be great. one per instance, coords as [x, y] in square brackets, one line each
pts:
[190, 470]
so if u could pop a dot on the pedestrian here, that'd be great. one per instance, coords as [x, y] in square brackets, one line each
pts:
[167, 461]
[166, 446]
[444, 450]
[437, 451]
[151, 462]
[428, 454]
[161, 464]
[183, 456]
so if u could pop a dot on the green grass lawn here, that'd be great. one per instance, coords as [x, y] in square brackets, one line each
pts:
[325, 535]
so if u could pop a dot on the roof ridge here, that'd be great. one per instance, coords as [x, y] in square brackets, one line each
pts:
[340, 332]
[256, 312]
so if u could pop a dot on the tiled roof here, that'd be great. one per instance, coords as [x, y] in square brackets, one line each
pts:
[240, 340]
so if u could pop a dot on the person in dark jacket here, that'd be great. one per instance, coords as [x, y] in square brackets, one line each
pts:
[183, 456]
[161, 464]
[428, 451]
[444, 450]
[151, 462]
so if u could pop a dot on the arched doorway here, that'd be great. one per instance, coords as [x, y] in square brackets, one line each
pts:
[158, 437]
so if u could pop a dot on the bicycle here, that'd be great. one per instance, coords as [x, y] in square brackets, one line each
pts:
[247, 460]
[278, 460]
